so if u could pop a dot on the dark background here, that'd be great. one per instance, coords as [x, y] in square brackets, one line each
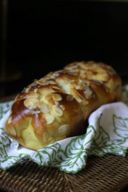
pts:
[45, 36]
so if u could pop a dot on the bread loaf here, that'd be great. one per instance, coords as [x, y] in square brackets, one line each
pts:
[57, 105]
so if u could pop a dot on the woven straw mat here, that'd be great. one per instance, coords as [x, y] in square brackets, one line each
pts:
[102, 174]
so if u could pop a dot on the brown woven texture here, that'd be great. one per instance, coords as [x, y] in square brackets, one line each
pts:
[106, 174]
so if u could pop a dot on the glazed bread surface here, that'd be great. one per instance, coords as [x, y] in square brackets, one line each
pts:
[57, 105]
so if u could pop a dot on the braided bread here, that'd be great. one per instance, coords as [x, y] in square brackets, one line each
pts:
[57, 105]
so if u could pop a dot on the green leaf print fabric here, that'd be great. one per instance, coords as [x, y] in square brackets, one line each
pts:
[107, 133]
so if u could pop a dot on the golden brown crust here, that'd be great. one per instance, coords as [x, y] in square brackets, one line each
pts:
[57, 105]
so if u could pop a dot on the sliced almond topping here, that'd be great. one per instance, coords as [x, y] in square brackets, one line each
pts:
[35, 90]
[57, 110]
[27, 90]
[31, 102]
[44, 108]
[62, 107]
[88, 92]
[49, 118]
[63, 129]
[57, 97]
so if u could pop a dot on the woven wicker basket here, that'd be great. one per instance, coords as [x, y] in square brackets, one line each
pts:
[106, 174]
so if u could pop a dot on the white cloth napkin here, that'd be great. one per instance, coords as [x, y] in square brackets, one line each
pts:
[107, 133]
